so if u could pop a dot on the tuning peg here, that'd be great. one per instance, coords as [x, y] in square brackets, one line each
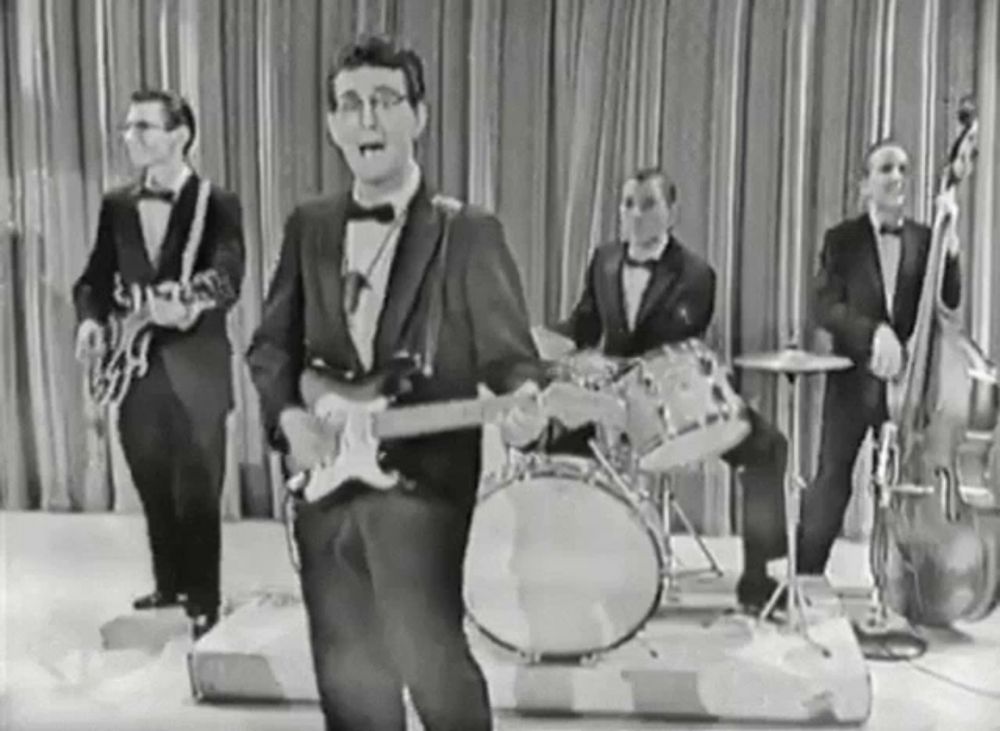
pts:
[966, 110]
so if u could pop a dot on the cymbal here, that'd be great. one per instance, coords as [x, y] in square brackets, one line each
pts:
[792, 360]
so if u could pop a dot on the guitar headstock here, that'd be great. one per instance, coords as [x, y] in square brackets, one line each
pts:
[576, 406]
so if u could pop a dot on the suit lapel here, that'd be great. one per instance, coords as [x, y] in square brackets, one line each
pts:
[663, 276]
[178, 228]
[329, 274]
[871, 261]
[417, 243]
[611, 277]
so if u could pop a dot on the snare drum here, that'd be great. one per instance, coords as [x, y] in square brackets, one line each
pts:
[561, 564]
[682, 407]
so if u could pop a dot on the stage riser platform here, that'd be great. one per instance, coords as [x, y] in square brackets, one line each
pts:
[691, 661]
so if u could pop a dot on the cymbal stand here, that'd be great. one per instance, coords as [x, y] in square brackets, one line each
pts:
[794, 484]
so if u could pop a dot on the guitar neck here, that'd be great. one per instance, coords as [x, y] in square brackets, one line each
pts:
[411, 421]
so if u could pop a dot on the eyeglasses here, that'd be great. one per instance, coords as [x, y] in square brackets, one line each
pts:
[142, 127]
[381, 100]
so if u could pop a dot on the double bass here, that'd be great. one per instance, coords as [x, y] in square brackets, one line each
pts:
[936, 543]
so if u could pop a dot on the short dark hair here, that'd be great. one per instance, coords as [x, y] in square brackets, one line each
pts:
[877, 145]
[657, 173]
[383, 52]
[177, 112]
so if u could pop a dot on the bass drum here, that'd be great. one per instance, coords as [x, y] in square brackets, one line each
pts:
[561, 564]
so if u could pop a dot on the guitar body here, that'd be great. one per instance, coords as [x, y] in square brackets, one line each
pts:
[126, 359]
[128, 333]
[349, 407]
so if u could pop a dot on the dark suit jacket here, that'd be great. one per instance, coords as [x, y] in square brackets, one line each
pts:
[678, 302]
[850, 304]
[484, 333]
[197, 361]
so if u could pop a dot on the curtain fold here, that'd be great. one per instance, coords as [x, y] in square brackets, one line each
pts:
[760, 111]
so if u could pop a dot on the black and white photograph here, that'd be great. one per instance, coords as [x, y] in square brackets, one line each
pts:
[514, 365]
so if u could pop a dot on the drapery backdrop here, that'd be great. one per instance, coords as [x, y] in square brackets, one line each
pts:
[759, 108]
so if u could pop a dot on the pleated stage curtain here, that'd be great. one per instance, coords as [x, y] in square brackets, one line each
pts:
[759, 109]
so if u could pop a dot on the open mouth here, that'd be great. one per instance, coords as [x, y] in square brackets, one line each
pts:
[370, 148]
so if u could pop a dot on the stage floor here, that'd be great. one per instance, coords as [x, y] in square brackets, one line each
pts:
[63, 576]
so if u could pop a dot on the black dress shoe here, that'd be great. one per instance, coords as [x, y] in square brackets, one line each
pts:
[753, 593]
[201, 624]
[157, 600]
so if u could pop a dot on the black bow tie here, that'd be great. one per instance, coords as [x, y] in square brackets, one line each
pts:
[647, 264]
[383, 213]
[155, 194]
[888, 228]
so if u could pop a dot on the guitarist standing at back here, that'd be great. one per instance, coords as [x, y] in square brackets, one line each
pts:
[172, 419]
[362, 277]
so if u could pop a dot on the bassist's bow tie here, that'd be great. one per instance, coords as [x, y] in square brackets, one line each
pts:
[383, 213]
[647, 264]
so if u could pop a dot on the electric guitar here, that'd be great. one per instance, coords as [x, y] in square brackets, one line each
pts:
[127, 333]
[358, 416]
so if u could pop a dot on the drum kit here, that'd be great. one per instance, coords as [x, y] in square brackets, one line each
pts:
[568, 555]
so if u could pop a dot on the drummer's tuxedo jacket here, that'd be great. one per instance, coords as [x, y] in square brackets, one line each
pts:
[850, 303]
[677, 304]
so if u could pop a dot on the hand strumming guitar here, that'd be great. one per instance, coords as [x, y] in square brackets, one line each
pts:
[310, 441]
[168, 309]
[523, 425]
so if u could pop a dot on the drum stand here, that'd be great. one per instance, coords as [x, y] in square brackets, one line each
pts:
[665, 503]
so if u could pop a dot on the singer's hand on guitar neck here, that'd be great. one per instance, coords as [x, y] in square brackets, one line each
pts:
[310, 442]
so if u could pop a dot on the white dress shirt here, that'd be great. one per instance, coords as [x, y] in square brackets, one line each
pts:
[154, 215]
[889, 251]
[366, 240]
[636, 279]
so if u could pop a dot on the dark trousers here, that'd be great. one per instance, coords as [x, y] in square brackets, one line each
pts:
[381, 577]
[177, 464]
[824, 503]
[761, 459]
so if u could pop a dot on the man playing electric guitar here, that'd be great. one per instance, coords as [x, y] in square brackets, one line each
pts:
[162, 238]
[364, 276]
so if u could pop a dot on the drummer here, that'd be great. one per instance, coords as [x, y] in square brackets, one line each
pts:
[648, 290]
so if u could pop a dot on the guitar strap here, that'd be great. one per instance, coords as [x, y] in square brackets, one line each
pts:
[449, 207]
[193, 244]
